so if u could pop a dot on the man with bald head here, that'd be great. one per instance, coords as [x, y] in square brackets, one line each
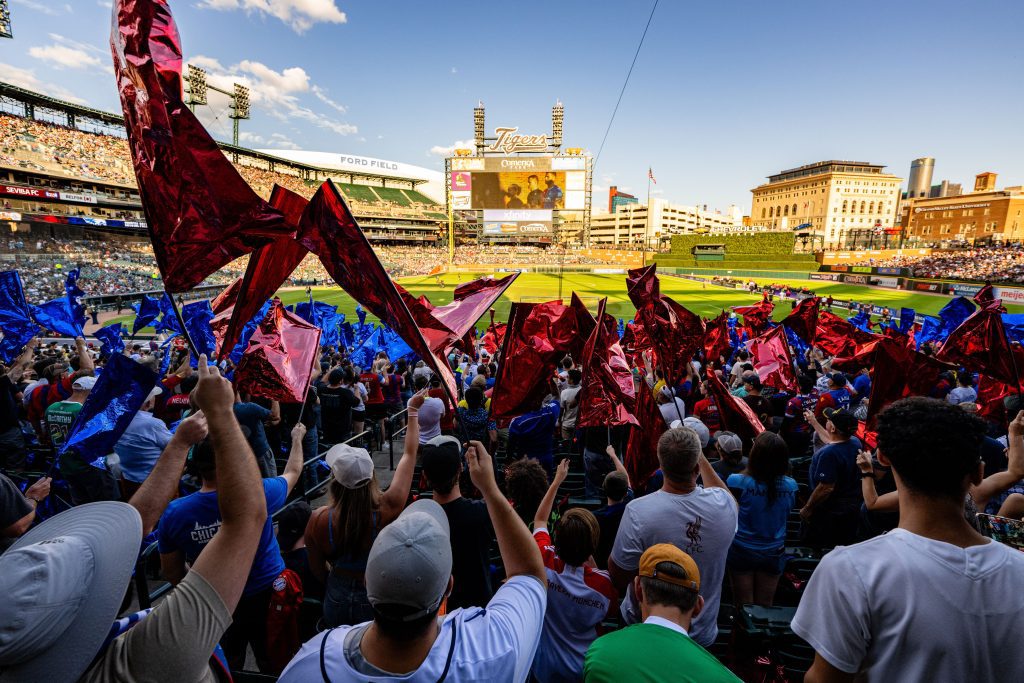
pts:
[699, 520]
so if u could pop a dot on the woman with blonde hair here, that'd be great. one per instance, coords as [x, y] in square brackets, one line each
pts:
[339, 535]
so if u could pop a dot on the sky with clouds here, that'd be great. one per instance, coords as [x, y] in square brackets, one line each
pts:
[722, 94]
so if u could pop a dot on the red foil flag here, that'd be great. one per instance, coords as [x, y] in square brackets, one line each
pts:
[736, 415]
[268, 269]
[675, 332]
[804, 319]
[537, 338]
[772, 361]
[641, 456]
[980, 344]
[756, 317]
[607, 395]
[716, 338]
[328, 229]
[200, 213]
[279, 361]
[838, 337]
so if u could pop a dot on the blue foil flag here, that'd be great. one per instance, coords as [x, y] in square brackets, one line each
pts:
[13, 307]
[907, 316]
[168, 320]
[58, 315]
[146, 313]
[954, 314]
[930, 330]
[1013, 323]
[862, 321]
[361, 313]
[197, 316]
[165, 362]
[364, 352]
[119, 393]
[247, 332]
[395, 346]
[74, 295]
[15, 316]
[113, 342]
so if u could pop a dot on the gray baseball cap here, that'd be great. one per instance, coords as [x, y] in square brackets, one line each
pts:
[410, 561]
[350, 466]
[62, 583]
[728, 442]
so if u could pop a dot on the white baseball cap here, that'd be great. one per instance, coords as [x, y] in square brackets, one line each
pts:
[85, 383]
[350, 466]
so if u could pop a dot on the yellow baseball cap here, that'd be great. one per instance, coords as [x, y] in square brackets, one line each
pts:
[666, 552]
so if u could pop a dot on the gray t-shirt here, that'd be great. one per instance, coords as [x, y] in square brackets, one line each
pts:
[173, 643]
[570, 406]
[701, 523]
[13, 506]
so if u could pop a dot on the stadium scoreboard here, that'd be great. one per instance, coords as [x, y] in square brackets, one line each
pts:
[518, 187]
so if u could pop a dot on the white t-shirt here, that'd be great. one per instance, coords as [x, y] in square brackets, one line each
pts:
[902, 607]
[569, 412]
[701, 523]
[579, 599]
[429, 418]
[496, 644]
[670, 413]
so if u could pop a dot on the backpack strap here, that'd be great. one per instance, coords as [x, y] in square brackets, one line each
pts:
[323, 650]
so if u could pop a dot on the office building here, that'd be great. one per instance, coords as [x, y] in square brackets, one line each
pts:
[617, 199]
[828, 199]
[629, 224]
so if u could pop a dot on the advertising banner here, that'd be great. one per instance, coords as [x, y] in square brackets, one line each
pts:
[824, 276]
[856, 279]
[28, 192]
[891, 282]
[957, 289]
[919, 286]
[77, 197]
[1010, 295]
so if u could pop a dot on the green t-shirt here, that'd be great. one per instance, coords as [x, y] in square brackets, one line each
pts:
[59, 418]
[648, 653]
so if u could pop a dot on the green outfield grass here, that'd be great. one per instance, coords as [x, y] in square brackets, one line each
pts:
[707, 301]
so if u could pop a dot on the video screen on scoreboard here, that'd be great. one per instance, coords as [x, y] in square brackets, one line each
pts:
[519, 183]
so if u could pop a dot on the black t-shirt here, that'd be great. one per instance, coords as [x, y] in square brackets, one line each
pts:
[471, 537]
[8, 405]
[336, 405]
[761, 406]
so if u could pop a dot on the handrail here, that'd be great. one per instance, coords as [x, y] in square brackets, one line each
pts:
[392, 433]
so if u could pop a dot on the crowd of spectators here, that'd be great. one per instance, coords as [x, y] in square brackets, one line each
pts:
[989, 264]
[629, 580]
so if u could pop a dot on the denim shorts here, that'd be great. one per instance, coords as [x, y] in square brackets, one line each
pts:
[745, 560]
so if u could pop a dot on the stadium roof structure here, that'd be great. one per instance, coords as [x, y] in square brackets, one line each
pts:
[40, 100]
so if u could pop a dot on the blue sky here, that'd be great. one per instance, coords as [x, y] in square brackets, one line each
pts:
[722, 95]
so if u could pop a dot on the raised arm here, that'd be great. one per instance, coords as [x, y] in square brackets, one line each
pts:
[812, 420]
[16, 370]
[161, 486]
[547, 502]
[518, 550]
[227, 558]
[293, 468]
[1000, 481]
[85, 364]
[709, 476]
[393, 500]
[619, 467]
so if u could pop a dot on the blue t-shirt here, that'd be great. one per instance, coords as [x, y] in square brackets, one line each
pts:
[862, 383]
[762, 526]
[189, 523]
[250, 418]
[532, 434]
[836, 464]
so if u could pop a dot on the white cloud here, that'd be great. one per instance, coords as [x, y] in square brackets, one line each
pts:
[321, 95]
[64, 57]
[447, 151]
[43, 7]
[301, 15]
[105, 3]
[26, 78]
[454, 70]
[275, 93]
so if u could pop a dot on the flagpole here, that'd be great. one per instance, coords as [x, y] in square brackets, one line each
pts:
[647, 225]
[181, 323]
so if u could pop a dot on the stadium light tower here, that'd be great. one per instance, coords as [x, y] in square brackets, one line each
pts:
[478, 127]
[239, 109]
[196, 79]
[557, 116]
[5, 20]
